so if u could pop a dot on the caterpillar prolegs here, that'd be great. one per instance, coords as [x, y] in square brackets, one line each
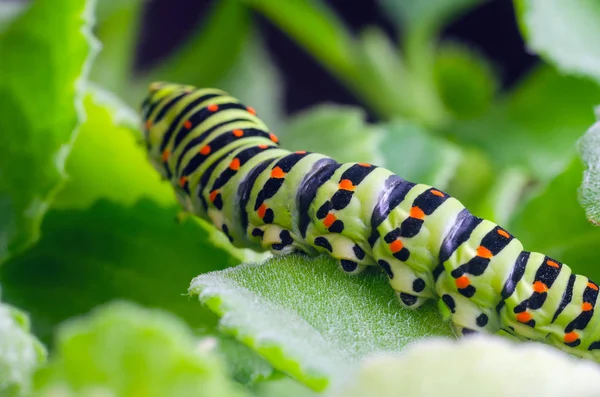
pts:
[227, 167]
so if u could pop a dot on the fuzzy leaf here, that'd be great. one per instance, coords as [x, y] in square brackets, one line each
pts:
[589, 147]
[123, 349]
[475, 366]
[565, 33]
[44, 55]
[309, 319]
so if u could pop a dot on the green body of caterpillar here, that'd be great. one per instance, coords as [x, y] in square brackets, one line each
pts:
[227, 167]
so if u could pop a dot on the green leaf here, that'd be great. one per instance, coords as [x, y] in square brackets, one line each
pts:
[589, 148]
[283, 387]
[20, 352]
[464, 79]
[244, 365]
[9, 11]
[425, 12]
[554, 223]
[112, 234]
[309, 319]
[565, 33]
[542, 118]
[475, 366]
[415, 154]
[44, 55]
[317, 28]
[123, 349]
[117, 29]
[337, 131]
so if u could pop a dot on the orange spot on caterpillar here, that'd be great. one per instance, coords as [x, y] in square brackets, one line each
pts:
[586, 306]
[212, 108]
[262, 210]
[165, 155]
[523, 317]
[182, 181]
[148, 124]
[235, 164]
[263, 146]
[213, 195]
[437, 193]
[592, 286]
[484, 252]
[238, 133]
[277, 173]
[503, 233]
[329, 219]
[346, 184]
[187, 124]
[571, 337]
[552, 264]
[540, 287]
[274, 138]
[396, 246]
[205, 150]
[364, 164]
[462, 282]
[251, 110]
[300, 152]
[416, 212]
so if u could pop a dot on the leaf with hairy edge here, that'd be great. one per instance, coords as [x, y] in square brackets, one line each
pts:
[122, 349]
[481, 365]
[45, 55]
[589, 192]
[309, 319]
[565, 33]
[20, 352]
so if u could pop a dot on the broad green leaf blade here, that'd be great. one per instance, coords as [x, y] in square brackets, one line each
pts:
[589, 148]
[113, 234]
[337, 131]
[537, 125]
[565, 33]
[126, 350]
[45, 55]
[20, 352]
[474, 366]
[309, 319]
[554, 223]
[465, 80]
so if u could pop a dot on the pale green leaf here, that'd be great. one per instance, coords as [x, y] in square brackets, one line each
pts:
[309, 319]
[589, 147]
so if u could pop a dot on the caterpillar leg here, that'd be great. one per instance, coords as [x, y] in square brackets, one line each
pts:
[411, 289]
[467, 317]
[352, 258]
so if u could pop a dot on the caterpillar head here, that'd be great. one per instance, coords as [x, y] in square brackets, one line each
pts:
[156, 123]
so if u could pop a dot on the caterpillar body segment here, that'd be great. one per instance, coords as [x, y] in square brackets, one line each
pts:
[227, 166]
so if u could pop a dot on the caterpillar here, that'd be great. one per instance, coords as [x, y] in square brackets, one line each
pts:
[226, 166]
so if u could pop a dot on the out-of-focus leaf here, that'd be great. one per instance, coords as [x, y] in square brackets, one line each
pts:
[256, 81]
[337, 131]
[589, 147]
[309, 319]
[117, 29]
[114, 234]
[464, 80]
[418, 156]
[44, 55]
[20, 352]
[476, 366]
[283, 387]
[554, 223]
[326, 36]
[9, 11]
[244, 364]
[122, 349]
[565, 33]
[535, 126]
[425, 12]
